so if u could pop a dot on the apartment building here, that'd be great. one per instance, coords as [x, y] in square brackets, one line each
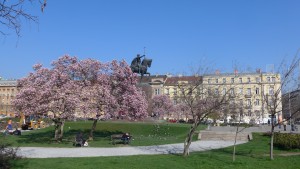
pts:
[8, 90]
[247, 94]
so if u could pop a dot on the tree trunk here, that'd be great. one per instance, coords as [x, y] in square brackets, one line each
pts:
[236, 133]
[234, 145]
[91, 136]
[61, 131]
[57, 128]
[189, 138]
[271, 142]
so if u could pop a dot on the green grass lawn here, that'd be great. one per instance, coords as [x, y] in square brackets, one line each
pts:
[252, 155]
[143, 134]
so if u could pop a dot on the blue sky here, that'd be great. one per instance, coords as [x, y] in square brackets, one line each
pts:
[177, 34]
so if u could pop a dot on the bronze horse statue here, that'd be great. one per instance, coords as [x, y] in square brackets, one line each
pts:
[140, 68]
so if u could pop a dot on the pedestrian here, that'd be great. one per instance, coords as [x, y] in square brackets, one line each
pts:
[268, 122]
[284, 124]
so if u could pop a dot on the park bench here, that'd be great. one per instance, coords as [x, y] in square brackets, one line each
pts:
[125, 139]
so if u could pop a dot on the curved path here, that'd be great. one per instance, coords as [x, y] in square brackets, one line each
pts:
[41, 152]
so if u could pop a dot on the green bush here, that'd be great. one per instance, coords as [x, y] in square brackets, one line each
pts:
[7, 156]
[287, 140]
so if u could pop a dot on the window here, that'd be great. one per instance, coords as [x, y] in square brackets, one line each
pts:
[241, 90]
[157, 92]
[241, 102]
[273, 79]
[224, 80]
[209, 81]
[257, 90]
[257, 102]
[257, 79]
[271, 91]
[248, 102]
[190, 91]
[217, 80]
[224, 91]
[175, 101]
[209, 91]
[240, 80]
[167, 91]
[175, 91]
[216, 91]
[248, 79]
[249, 113]
[268, 79]
[232, 91]
[232, 80]
[249, 91]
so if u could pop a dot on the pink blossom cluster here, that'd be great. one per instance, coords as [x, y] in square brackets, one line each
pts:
[87, 86]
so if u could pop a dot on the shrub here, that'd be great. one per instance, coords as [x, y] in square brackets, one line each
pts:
[7, 155]
[287, 140]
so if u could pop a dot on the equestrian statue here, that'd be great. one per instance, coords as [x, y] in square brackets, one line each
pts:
[140, 67]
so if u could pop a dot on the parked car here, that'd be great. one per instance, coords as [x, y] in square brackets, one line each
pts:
[2, 116]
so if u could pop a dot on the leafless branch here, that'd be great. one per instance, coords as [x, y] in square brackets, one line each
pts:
[12, 13]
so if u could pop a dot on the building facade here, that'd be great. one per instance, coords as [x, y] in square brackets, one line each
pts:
[247, 94]
[8, 90]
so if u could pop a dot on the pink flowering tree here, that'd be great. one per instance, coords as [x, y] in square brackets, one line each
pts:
[108, 90]
[94, 94]
[50, 90]
[161, 105]
[72, 87]
[181, 110]
[130, 101]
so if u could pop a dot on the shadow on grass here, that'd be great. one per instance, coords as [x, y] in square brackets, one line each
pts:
[47, 136]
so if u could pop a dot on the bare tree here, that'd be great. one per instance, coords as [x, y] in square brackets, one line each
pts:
[202, 100]
[273, 98]
[12, 13]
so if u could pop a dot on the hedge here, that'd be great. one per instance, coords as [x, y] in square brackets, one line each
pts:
[287, 140]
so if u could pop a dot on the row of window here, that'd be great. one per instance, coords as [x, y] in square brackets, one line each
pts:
[248, 91]
[240, 80]
[248, 102]
[232, 92]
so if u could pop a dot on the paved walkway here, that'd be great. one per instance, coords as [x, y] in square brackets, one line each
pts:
[41, 152]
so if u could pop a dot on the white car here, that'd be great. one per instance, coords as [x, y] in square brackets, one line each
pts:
[2, 116]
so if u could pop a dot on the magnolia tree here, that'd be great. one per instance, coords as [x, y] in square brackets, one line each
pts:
[161, 105]
[50, 90]
[181, 110]
[109, 90]
[72, 87]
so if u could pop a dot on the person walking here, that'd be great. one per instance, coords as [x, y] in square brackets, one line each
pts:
[284, 124]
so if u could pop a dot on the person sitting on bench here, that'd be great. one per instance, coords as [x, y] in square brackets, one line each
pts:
[79, 139]
[125, 138]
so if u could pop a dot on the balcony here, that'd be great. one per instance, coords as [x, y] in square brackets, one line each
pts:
[248, 95]
[248, 107]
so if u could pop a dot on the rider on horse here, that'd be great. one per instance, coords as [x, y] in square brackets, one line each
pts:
[136, 62]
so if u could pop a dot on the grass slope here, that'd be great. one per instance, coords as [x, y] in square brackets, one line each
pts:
[143, 134]
[252, 155]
